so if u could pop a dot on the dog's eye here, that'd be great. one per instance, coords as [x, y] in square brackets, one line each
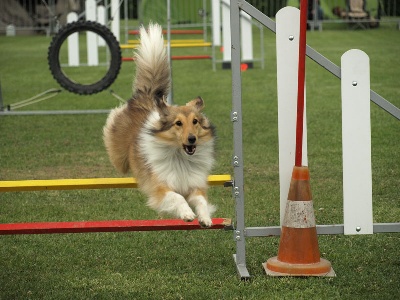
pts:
[178, 123]
[195, 121]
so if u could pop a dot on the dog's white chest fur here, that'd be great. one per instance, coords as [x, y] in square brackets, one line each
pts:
[181, 172]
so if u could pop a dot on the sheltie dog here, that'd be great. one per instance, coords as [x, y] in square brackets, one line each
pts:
[169, 149]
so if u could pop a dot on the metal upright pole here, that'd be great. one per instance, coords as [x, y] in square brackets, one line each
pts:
[238, 188]
[204, 18]
[126, 21]
[1, 99]
[170, 95]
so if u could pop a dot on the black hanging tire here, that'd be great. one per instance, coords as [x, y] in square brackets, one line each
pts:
[63, 79]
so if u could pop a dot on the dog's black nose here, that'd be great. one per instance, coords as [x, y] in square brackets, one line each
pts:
[192, 139]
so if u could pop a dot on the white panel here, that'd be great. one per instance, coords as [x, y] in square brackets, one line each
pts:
[226, 31]
[73, 42]
[91, 37]
[115, 18]
[101, 19]
[356, 135]
[246, 37]
[216, 22]
[287, 49]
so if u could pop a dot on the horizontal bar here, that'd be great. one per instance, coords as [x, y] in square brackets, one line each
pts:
[190, 57]
[262, 231]
[90, 183]
[173, 31]
[386, 227]
[54, 112]
[183, 45]
[66, 184]
[184, 41]
[177, 57]
[108, 226]
[321, 229]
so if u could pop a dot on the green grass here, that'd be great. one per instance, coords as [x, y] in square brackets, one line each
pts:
[193, 265]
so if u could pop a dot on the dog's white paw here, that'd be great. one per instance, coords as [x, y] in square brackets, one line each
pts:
[186, 214]
[175, 205]
[205, 222]
[203, 210]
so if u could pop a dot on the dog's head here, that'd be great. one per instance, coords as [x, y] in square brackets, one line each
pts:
[185, 126]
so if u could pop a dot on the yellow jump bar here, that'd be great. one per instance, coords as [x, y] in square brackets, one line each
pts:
[183, 45]
[183, 41]
[90, 183]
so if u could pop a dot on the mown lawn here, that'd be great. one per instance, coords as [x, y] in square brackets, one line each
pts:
[196, 264]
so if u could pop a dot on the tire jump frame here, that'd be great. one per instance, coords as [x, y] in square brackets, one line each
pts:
[55, 66]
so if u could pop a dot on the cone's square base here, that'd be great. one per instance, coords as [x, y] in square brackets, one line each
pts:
[274, 267]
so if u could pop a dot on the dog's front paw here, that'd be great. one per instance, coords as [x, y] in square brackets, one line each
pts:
[176, 206]
[186, 213]
[205, 222]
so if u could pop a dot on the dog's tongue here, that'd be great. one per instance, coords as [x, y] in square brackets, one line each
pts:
[189, 149]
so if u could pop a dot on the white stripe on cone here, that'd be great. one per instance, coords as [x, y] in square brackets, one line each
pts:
[299, 214]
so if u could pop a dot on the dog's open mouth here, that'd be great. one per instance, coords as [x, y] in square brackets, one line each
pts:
[189, 149]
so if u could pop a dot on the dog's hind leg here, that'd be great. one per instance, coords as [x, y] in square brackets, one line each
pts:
[203, 209]
[166, 201]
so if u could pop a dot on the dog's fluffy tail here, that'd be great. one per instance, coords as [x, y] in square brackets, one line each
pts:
[152, 66]
[151, 84]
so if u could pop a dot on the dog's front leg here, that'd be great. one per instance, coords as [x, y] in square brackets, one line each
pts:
[203, 209]
[165, 201]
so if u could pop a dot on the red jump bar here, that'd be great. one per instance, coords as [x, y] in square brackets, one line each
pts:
[108, 226]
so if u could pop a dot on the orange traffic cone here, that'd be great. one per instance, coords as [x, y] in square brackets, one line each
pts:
[298, 253]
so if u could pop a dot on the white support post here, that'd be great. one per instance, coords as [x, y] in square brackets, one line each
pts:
[216, 22]
[115, 17]
[73, 43]
[91, 37]
[287, 52]
[101, 19]
[246, 37]
[226, 34]
[356, 136]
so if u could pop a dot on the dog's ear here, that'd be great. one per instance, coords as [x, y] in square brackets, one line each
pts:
[198, 103]
[162, 105]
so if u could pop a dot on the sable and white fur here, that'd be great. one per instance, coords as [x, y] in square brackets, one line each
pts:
[169, 149]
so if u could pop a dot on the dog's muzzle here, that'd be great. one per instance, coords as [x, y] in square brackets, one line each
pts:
[189, 149]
